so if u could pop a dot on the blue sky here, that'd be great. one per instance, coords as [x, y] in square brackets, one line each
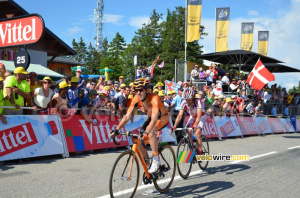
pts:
[70, 19]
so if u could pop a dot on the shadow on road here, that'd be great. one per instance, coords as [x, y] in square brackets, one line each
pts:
[291, 137]
[197, 190]
[227, 169]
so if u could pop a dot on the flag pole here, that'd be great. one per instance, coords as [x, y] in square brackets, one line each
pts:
[185, 43]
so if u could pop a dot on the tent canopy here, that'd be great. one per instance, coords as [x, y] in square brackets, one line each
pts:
[237, 57]
[272, 67]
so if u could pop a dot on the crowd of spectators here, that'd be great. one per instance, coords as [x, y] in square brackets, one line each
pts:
[89, 97]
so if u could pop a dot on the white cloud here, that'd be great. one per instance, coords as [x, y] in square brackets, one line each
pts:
[138, 21]
[114, 19]
[284, 42]
[72, 31]
[253, 13]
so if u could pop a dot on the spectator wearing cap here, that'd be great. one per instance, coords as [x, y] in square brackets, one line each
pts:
[60, 100]
[81, 82]
[16, 90]
[174, 93]
[194, 74]
[2, 118]
[121, 80]
[86, 104]
[233, 86]
[202, 74]
[160, 86]
[185, 85]
[2, 71]
[175, 106]
[74, 93]
[120, 91]
[42, 97]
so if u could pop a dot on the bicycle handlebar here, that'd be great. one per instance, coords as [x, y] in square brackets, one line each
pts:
[129, 134]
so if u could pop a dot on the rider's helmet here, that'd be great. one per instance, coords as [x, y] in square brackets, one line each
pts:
[187, 94]
[141, 83]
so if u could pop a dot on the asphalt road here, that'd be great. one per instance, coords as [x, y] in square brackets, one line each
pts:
[273, 171]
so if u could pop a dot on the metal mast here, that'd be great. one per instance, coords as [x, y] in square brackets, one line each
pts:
[99, 23]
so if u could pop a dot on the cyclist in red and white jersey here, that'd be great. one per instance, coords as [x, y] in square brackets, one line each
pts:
[195, 109]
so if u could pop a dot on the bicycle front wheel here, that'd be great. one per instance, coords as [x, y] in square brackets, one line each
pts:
[184, 169]
[167, 169]
[205, 149]
[124, 177]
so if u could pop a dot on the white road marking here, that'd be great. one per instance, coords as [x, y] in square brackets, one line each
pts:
[149, 185]
[257, 156]
[294, 147]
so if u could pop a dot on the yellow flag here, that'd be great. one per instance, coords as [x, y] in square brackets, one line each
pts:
[263, 42]
[222, 18]
[247, 36]
[193, 19]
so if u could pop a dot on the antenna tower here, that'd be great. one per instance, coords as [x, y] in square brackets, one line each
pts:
[99, 23]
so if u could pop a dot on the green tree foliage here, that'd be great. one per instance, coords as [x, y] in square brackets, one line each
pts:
[157, 37]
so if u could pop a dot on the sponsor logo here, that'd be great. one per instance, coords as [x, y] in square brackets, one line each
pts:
[248, 124]
[287, 126]
[209, 128]
[263, 36]
[21, 31]
[248, 28]
[223, 14]
[277, 125]
[227, 128]
[16, 138]
[100, 133]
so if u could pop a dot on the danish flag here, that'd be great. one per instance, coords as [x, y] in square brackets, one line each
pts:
[260, 76]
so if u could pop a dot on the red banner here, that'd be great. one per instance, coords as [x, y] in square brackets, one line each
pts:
[82, 136]
[21, 30]
[210, 129]
[276, 125]
[248, 126]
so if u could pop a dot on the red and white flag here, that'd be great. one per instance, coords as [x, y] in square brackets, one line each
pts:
[162, 64]
[151, 68]
[260, 76]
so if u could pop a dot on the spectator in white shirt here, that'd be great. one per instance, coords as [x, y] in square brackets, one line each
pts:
[194, 74]
[233, 86]
[225, 79]
[210, 74]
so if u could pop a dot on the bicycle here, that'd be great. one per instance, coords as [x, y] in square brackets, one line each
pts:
[185, 144]
[126, 168]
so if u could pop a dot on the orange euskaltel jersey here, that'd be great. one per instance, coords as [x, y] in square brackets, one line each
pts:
[153, 102]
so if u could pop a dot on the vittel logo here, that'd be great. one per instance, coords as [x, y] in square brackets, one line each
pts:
[227, 128]
[16, 138]
[21, 31]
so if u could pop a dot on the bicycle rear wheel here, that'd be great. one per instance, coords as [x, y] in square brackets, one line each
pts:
[119, 183]
[205, 149]
[167, 169]
[184, 169]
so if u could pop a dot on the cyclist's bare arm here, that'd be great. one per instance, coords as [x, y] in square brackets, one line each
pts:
[126, 118]
[199, 114]
[179, 116]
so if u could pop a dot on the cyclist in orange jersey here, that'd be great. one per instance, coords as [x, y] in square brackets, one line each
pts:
[157, 118]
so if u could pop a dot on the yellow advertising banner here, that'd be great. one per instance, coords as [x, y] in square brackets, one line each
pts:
[193, 19]
[247, 36]
[222, 27]
[263, 42]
